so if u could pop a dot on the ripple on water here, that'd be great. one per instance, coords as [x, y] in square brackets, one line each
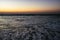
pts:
[29, 28]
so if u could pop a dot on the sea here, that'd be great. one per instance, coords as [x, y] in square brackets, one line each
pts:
[32, 27]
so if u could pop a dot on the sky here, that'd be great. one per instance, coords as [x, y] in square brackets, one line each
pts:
[29, 5]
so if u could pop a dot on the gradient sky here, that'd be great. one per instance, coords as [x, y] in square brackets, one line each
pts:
[29, 5]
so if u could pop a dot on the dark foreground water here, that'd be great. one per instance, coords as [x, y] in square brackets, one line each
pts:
[29, 27]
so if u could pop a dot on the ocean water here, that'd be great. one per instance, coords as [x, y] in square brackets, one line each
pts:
[29, 27]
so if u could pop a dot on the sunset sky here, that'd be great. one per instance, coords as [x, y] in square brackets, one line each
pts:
[29, 5]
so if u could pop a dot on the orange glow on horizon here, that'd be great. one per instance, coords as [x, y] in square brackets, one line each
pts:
[27, 10]
[28, 6]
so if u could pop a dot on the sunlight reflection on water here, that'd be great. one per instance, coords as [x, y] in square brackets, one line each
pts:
[29, 27]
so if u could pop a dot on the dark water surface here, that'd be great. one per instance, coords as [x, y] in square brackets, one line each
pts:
[30, 27]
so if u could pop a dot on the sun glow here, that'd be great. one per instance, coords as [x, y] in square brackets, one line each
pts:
[14, 7]
[26, 6]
